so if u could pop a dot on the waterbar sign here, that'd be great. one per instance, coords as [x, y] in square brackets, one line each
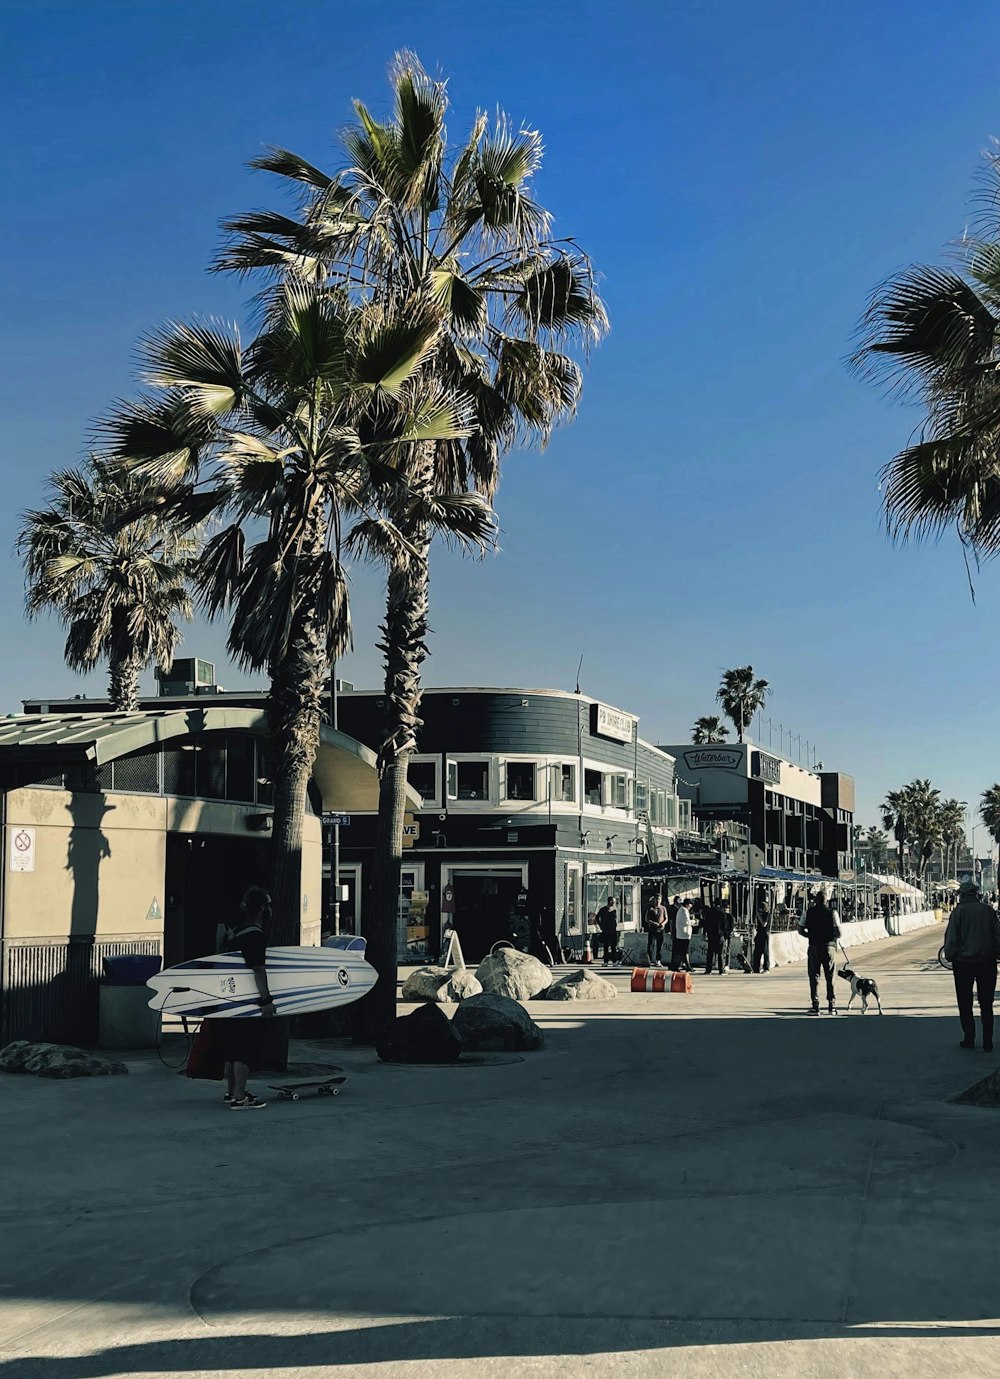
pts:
[608, 722]
[765, 767]
[714, 759]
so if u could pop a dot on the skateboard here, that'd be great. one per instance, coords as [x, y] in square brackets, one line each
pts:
[325, 1086]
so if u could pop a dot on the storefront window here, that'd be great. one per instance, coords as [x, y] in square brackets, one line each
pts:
[593, 787]
[468, 780]
[414, 931]
[566, 782]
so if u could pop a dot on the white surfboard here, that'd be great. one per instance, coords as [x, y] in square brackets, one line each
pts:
[222, 987]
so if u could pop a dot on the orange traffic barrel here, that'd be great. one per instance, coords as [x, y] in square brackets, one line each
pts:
[659, 979]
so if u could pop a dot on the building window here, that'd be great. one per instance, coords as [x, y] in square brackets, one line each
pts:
[564, 782]
[593, 783]
[422, 774]
[642, 796]
[519, 780]
[617, 795]
[469, 780]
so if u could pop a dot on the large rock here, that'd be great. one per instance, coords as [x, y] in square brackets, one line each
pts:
[440, 984]
[57, 1060]
[517, 975]
[461, 984]
[424, 1036]
[581, 986]
[487, 1023]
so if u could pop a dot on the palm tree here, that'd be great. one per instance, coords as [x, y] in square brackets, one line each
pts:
[284, 441]
[460, 229]
[741, 695]
[709, 729]
[933, 335]
[989, 811]
[894, 809]
[952, 830]
[118, 585]
[873, 840]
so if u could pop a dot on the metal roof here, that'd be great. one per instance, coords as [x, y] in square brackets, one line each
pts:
[346, 771]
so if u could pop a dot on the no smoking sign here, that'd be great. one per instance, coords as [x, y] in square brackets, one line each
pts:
[22, 848]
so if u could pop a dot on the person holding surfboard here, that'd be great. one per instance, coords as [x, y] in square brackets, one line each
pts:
[242, 1038]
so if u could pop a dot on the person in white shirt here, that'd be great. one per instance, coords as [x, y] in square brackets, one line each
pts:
[681, 937]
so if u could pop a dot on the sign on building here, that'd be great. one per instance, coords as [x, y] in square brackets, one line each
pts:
[765, 767]
[609, 722]
[714, 759]
[22, 848]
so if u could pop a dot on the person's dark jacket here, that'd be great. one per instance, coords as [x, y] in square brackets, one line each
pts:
[820, 927]
[711, 923]
[726, 924]
[973, 933]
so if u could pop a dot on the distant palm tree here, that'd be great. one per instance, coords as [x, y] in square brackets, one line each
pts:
[933, 334]
[894, 820]
[874, 841]
[116, 579]
[915, 817]
[952, 831]
[989, 811]
[709, 729]
[741, 695]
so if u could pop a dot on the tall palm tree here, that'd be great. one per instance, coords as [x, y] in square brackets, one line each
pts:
[873, 840]
[741, 695]
[709, 729]
[119, 584]
[895, 810]
[932, 335]
[989, 811]
[407, 214]
[283, 442]
[952, 830]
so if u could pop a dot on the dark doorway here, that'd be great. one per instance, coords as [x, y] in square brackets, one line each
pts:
[484, 902]
[206, 877]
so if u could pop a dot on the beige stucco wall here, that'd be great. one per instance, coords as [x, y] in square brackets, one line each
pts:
[107, 853]
[103, 853]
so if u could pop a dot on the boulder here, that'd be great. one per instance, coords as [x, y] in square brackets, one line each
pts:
[461, 984]
[57, 1060]
[440, 984]
[423, 984]
[517, 975]
[424, 1036]
[984, 1093]
[581, 986]
[490, 1022]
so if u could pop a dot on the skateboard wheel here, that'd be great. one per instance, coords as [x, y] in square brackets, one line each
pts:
[295, 1096]
[335, 1091]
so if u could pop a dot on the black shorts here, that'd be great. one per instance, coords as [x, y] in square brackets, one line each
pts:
[242, 1040]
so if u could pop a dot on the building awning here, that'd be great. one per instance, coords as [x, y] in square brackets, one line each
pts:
[346, 771]
[667, 871]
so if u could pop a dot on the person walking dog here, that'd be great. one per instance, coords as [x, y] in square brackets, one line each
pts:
[972, 946]
[820, 927]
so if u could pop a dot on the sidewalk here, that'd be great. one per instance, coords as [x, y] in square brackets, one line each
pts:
[706, 1185]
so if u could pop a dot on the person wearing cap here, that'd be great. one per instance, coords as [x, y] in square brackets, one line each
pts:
[972, 946]
[821, 929]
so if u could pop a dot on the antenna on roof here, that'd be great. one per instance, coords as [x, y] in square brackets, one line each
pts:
[578, 669]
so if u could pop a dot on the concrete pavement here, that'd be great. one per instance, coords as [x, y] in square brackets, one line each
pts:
[704, 1185]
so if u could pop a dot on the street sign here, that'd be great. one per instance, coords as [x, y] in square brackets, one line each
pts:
[22, 849]
[342, 819]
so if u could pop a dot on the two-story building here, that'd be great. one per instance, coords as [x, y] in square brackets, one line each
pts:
[525, 793]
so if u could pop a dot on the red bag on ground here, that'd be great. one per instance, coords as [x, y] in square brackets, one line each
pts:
[205, 1059]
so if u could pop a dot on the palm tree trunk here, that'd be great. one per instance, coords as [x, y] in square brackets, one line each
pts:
[294, 714]
[404, 644]
[123, 683]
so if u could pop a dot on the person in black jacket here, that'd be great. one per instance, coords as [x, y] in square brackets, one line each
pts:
[972, 946]
[821, 929]
[711, 927]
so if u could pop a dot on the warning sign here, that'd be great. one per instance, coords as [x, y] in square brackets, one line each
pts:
[22, 849]
[154, 912]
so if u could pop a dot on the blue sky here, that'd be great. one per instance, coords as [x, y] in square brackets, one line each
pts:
[741, 175]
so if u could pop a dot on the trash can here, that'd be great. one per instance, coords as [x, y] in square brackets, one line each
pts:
[126, 1021]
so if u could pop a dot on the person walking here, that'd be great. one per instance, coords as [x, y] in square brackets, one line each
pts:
[972, 946]
[762, 937]
[726, 926]
[681, 936]
[655, 923]
[607, 923]
[822, 931]
[711, 927]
